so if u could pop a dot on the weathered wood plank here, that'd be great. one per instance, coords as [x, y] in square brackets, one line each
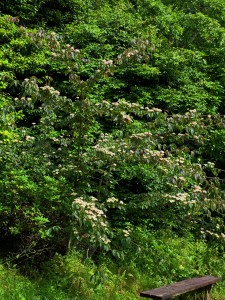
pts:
[181, 287]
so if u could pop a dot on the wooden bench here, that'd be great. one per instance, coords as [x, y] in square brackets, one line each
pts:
[203, 284]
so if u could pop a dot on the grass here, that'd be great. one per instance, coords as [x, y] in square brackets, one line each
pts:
[70, 277]
[16, 287]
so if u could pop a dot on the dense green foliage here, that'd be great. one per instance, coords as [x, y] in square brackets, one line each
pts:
[72, 277]
[112, 128]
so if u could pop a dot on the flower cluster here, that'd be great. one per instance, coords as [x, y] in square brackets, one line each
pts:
[107, 62]
[131, 53]
[126, 232]
[153, 110]
[30, 138]
[91, 212]
[24, 99]
[126, 118]
[140, 136]
[103, 150]
[214, 234]
[92, 218]
[127, 55]
[69, 54]
[50, 89]
[181, 197]
[197, 189]
[114, 202]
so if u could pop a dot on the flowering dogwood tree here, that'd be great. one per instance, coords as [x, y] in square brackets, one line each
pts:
[86, 183]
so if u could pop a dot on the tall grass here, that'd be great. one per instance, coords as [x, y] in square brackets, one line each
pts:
[157, 262]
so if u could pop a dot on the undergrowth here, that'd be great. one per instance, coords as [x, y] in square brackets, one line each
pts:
[150, 261]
